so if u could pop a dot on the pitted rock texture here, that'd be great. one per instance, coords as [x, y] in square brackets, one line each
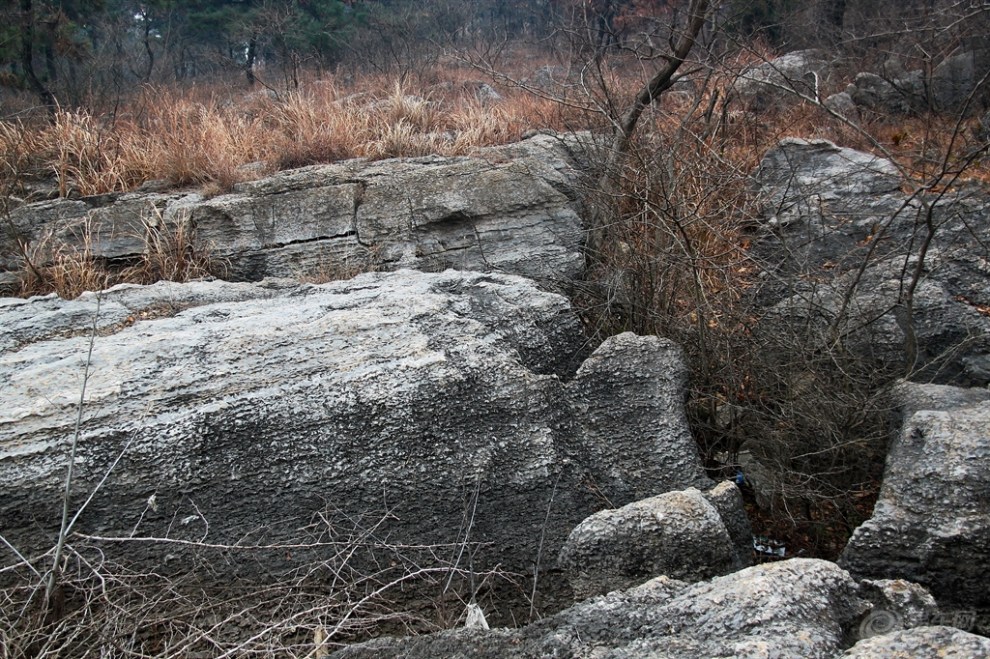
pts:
[728, 501]
[794, 608]
[922, 643]
[678, 534]
[239, 412]
[909, 604]
[509, 209]
[931, 523]
[840, 249]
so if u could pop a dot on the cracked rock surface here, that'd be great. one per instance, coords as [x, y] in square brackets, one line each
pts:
[840, 244]
[509, 209]
[931, 524]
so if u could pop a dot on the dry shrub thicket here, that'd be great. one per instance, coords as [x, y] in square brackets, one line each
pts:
[355, 585]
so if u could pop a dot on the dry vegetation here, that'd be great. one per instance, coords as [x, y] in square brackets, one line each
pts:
[215, 136]
[207, 137]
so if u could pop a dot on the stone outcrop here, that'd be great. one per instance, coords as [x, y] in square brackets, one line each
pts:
[678, 534]
[783, 79]
[728, 501]
[897, 604]
[510, 209]
[954, 84]
[229, 413]
[888, 95]
[931, 523]
[794, 608]
[840, 246]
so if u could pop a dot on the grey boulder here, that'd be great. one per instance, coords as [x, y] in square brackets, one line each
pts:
[931, 523]
[678, 534]
[922, 643]
[794, 608]
[897, 604]
[783, 79]
[839, 247]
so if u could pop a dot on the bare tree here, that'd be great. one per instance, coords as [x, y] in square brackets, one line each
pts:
[626, 124]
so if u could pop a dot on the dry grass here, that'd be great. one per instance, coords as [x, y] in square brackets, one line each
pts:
[208, 139]
[70, 268]
[214, 138]
[50, 266]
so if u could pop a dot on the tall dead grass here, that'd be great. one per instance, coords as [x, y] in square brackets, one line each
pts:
[211, 139]
[69, 267]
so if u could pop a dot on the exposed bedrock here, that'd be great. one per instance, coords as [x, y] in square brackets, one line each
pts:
[238, 412]
[902, 280]
[509, 209]
[794, 608]
[681, 535]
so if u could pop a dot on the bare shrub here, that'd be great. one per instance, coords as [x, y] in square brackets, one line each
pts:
[69, 267]
[350, 586]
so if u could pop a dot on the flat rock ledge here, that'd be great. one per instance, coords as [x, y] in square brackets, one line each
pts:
[511, 209]
[240, 413]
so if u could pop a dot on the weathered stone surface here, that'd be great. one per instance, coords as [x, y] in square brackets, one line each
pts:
[794, 608]
[896, 603]
[953, 85]
[831, 211]
[677, 534]
[922, 643]
[841, 103]
[633, 377]
[781, 80]
[728, 501]
[959, 81]
[238, 412]
[931, 523]
[510, 209]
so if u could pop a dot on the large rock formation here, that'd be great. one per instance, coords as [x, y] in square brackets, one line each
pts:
[955, 84]
[510, 209]
[931, 523]
[225, 413]
[840, 250]
[794, 608]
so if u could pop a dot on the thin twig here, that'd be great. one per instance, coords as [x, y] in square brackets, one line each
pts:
[63, 532]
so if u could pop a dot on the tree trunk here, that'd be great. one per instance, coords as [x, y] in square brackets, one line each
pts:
[252, 54]
[27, 58]
[661, 82]
[834, 13]
[147, 47]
